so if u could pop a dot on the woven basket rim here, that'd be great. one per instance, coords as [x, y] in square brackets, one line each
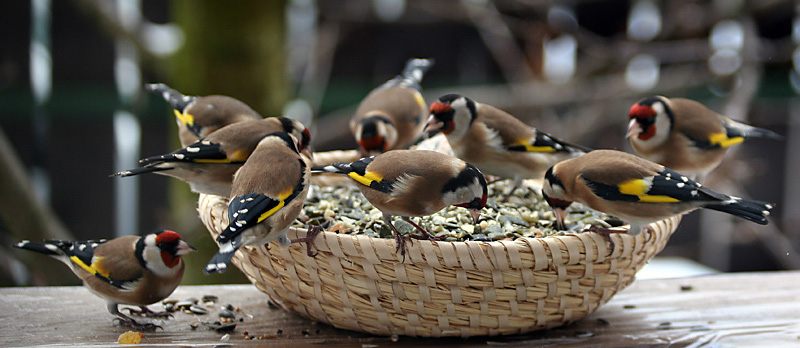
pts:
[361, 283]
[420, 250]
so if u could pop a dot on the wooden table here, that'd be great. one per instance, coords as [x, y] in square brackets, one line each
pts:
[726, 310]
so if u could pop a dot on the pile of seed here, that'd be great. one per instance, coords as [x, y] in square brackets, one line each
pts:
[343, 209]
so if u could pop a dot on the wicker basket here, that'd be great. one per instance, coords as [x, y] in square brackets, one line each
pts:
[443, 288]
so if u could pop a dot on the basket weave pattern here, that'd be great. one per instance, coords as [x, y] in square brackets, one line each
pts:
[443, 288]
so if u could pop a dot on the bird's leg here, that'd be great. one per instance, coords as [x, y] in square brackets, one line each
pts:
[399, 239]
[606, 232]
[147, 313]
[125, 320]
[425, 234]
[311, 235]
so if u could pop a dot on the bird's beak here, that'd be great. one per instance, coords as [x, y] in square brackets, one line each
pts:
[184, 248]
[433, 124]
[476, 214]
[634, 128]
[561, 214]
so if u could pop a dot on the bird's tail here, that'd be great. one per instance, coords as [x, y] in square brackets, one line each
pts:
[49, 247]
[413, 73]
[140, 170]
[735, 129]
[755, 211]
[338, 168]
[177, 100]
[219, 262]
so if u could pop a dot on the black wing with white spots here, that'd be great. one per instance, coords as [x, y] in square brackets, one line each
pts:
[244, 212]
[79, 253]
[543, 142]
[200, 152]
[358, 171]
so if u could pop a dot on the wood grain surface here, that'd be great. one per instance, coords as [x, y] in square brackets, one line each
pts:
[726, 310]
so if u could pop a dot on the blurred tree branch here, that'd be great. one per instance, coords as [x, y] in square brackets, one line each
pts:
[25, 217]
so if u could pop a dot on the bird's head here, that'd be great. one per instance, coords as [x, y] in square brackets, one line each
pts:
[650, 120]
[555, 194]
[375, 134]
[452, 114]
[467, 190]
[299, 132]
[160, 252]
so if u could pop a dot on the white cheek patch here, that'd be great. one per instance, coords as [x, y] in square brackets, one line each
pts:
[554, 191]
[152, 256]
[461, 118]
[390, 135]
[464, 194]
[662, 125]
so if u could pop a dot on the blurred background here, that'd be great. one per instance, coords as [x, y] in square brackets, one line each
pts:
[73, 109]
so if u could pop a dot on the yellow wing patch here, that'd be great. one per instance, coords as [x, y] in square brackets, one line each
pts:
[723, 141]
[94, 268]
[186, 119]
[367, 178]
[420, 100]
[639, 188]
[281, 203]
[526, 143]
[237, 156]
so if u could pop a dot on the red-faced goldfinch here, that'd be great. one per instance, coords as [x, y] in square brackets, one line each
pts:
[684, 135]
[496, 142]
[268, 195]
[636, 190]
[415, 183]
[392, 116]
[209, 164]
[129, 270]
[198, 117]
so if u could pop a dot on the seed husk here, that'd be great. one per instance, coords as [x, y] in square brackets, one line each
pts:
[344, 209]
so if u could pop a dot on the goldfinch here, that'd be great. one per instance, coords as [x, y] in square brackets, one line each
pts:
[684, 135]
[129, 270]
[198, 117]
[392, 116]
[496, 142]
[268, 194]
[209, 164]
[636, 190]
[414, 183]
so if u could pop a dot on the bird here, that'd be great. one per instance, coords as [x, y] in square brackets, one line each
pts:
[685, 135]
[128, 270]
[392, 115]
[209, 164]
[636, 190]
[414, 183]
[496, 142]
[268, 194]
[198, 117]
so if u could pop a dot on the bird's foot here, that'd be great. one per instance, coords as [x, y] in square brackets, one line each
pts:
[133, 324]
[606, 233]
[311, 235]
[423, 233]
[400, 241]
[143, 311]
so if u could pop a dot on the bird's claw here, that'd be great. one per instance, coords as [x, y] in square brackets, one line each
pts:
[147, 313]
[401, 244]
[429, 237]
[128, 322]
[606, 233]
[311, 235]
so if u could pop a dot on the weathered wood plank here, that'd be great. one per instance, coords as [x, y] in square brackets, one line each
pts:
[744, 309]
